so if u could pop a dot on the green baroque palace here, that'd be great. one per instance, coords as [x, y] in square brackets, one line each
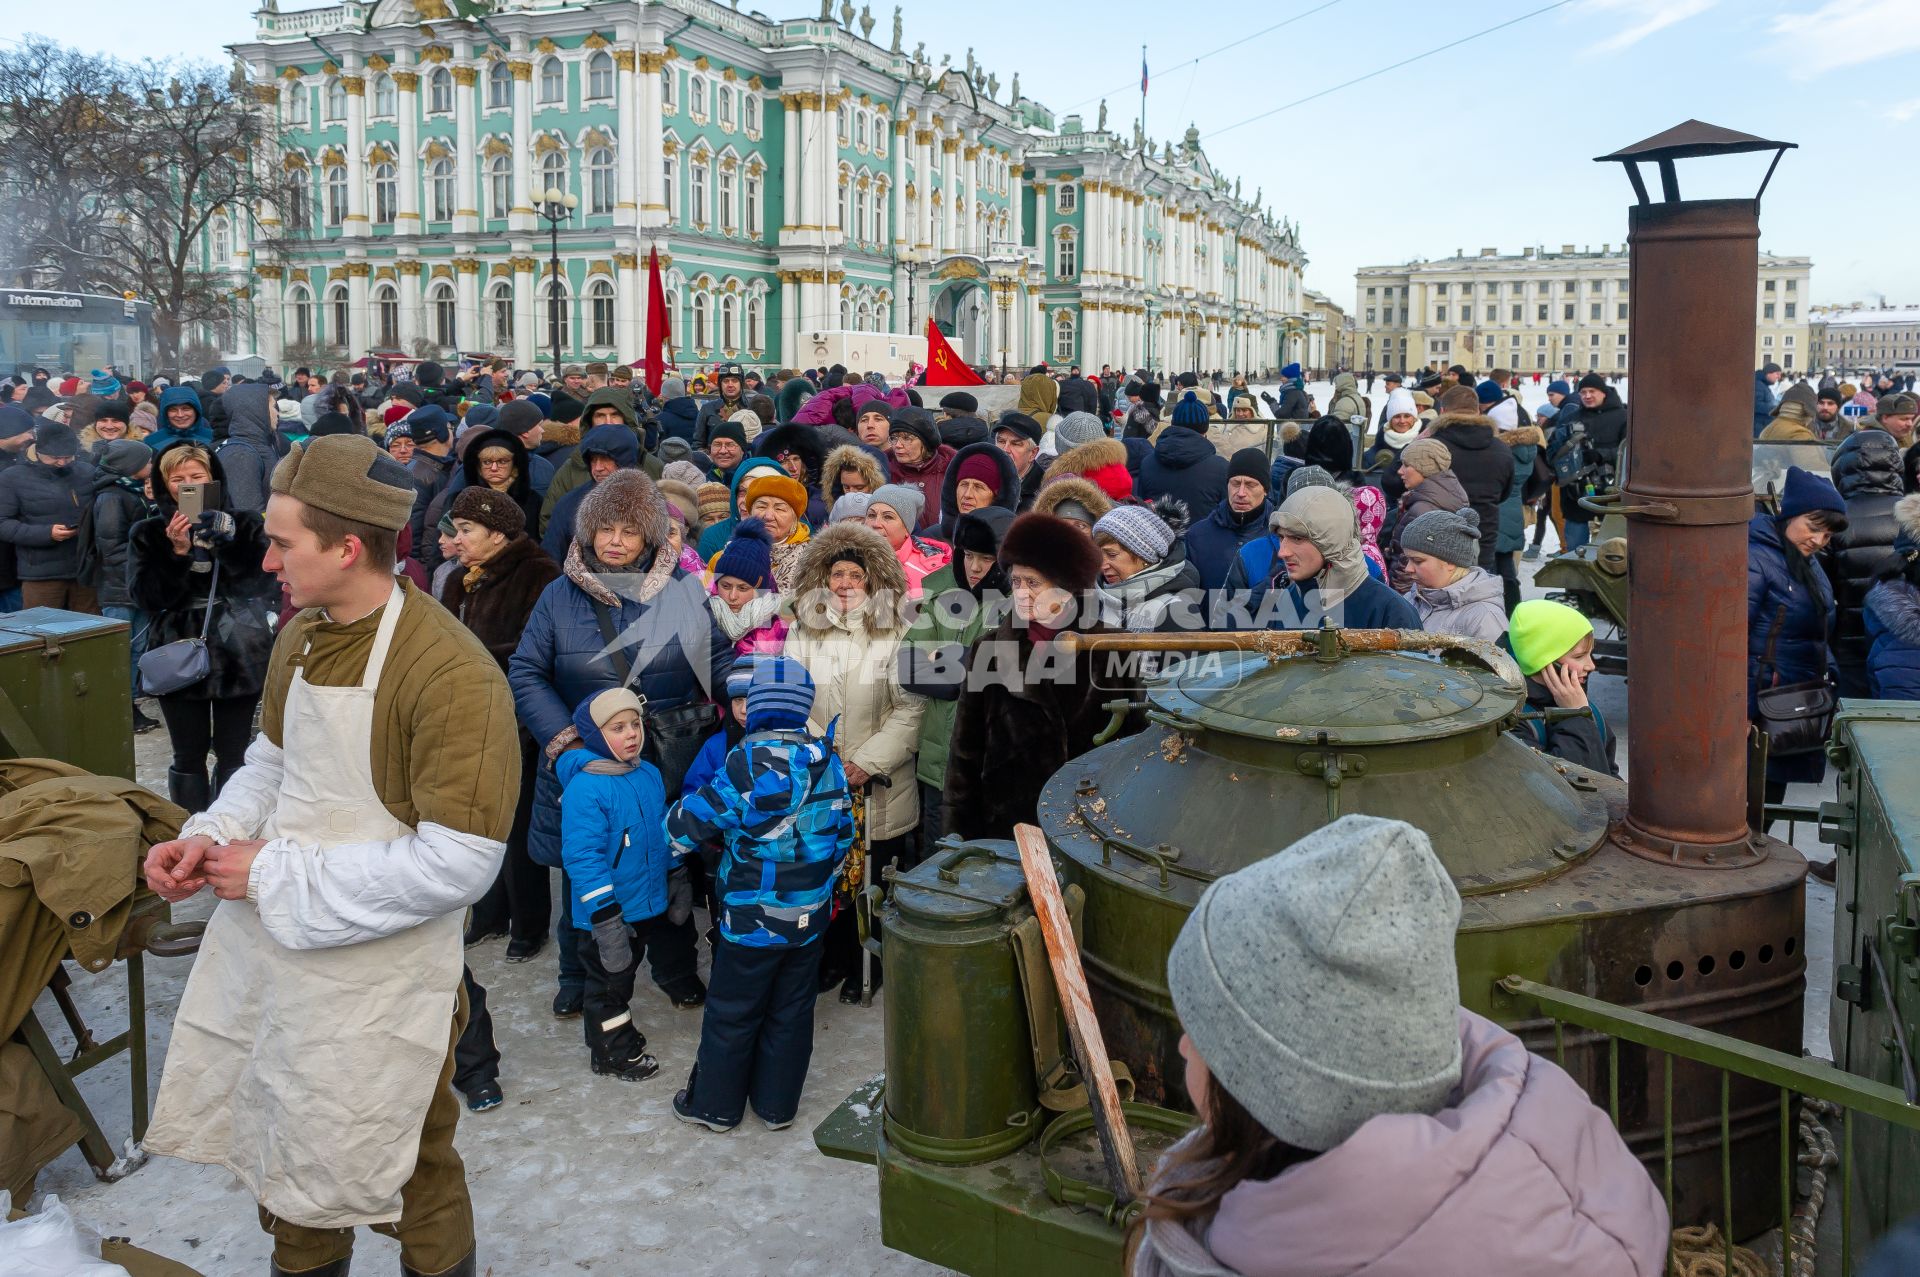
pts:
[800, 179]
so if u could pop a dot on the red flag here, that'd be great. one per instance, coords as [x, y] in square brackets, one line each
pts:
[659, 353]
[944, 368]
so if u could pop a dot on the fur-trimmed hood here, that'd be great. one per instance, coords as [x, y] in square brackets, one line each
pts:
[1446, 419]
[1906, 511]
[559, 434]
[801, 439]
[624, 496]
[1521, 436]
[850, 456]
[1093, 455]
[1056, 492]
[886, 579]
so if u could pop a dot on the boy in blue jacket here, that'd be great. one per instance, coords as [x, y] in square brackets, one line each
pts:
[612, 841]
[780, 806]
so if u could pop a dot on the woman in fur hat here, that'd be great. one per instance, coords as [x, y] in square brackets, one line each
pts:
[503, 574]
[622, 613]
[1041, 708]
[848, 621]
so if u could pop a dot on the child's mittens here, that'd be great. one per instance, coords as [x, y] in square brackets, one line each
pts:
[679, 895]
[614, 941]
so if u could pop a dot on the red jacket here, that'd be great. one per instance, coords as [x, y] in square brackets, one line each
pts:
[929, 477]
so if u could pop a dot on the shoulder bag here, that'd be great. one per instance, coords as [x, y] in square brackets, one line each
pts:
[176, 666]
[1797, 717]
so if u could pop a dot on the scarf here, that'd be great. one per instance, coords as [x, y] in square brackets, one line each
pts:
[1398, 439]
[583, 569]
[758, 612]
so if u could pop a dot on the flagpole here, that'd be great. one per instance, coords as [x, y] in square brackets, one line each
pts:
[1143, 94]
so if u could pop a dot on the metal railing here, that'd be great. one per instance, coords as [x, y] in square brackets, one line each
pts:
[1733, 1057]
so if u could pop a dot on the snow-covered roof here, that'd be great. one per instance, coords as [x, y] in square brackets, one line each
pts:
[1871, 315]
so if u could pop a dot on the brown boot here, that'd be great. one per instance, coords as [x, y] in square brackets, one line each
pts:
[465, 1268]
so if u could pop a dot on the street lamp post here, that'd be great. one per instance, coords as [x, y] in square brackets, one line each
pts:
[555, 207]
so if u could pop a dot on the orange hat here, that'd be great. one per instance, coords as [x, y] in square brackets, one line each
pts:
[771, 483]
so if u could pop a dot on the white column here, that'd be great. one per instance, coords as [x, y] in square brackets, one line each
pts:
[897, 195]
[626, 198]
[521, 217]
[528, 324]
[356, 220]
[923, 185]
[969, 194]
[793, 179]
[267, 313]
[466, 163]
[627, 308]
[410, 327]
[790, 320]
[357, 309]
[467, 328]
[653, 179]
[816, 140]
[406, 164]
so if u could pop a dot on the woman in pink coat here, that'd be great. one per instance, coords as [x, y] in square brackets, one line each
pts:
[1357, 1121]
[893, 512]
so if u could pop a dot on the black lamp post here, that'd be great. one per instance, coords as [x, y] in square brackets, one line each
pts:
[555, 207]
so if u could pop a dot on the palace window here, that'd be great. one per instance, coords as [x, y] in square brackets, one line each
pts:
[336, 102]
[386, 193]
[386, 315]
[753, 205]
[384, 96]
[297, 105]
[336, 180]
[553, 81]
[499, 186]
[440, 92]
[440, 190]
[1067, 199]
[1063, 338]
[600, 76]
[601, 185]
[600, 312]
[554, 318]
[500, 87]
[500, 314]
[728, 184]
[300, 312]
[440, 309]
[337, 316]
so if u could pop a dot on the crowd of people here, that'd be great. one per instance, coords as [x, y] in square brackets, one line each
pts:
[719, 619]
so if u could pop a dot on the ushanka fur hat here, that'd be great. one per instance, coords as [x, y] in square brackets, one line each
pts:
[1054, 548]
[625, 496]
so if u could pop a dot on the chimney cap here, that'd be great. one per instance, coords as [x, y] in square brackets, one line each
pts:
[1685, 141]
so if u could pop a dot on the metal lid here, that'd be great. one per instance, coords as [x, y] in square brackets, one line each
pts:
[971, 883]
[1358, 698]
[38, 624]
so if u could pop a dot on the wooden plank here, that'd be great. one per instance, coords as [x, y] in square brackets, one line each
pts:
[1089, 1046]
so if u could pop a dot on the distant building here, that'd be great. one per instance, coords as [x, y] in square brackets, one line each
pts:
[1538, 311]
[1859, 338]
[1330, 333]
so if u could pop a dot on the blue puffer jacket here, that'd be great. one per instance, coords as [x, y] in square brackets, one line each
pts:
[558, 664]
[1893, 637]
[780, 806]
[1183, 464]
[1806, 620]
[1214, 542]
[613, 838]
[677, 417]
[1763, 402]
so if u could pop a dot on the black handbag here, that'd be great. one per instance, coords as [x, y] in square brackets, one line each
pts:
[675, 735]
[176, 666]
[1797, 717]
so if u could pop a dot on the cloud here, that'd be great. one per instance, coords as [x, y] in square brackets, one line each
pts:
[1845, 33]
[1641, 18]
[1901, 112]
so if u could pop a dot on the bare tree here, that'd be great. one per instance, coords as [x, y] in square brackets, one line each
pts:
[118, 171]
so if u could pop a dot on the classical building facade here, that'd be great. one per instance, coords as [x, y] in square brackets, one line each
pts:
[797, 178]
[1539, 311]
[1859, 338]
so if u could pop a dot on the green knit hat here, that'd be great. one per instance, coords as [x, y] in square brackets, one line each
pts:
[1541, 632]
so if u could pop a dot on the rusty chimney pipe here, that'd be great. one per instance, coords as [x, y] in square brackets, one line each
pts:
[1688, 494]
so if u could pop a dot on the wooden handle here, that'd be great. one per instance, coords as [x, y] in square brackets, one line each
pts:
[1089, 1047]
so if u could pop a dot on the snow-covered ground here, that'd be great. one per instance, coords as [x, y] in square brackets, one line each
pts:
[578, 1173]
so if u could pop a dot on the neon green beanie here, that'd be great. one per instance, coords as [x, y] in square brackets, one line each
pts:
[1541, 632]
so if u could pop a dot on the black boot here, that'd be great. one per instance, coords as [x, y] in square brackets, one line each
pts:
[189, 789]
[464, 1268]
[222, 775]
[338, 1268]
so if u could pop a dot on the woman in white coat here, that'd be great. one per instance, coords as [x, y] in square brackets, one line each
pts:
[848, 622]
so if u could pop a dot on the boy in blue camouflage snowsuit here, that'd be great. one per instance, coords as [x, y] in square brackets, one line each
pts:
[780, 805]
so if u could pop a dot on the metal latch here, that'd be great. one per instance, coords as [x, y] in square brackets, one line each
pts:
[1836, 825]
[1850, 984]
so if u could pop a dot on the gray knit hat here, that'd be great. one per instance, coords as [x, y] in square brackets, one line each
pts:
[1077, 428]
[1453, 536]
[672, 388]
[1426, 456]
[1138, 530]
[1309, 477]
[851, 505]
[1319, 984]
[903, 499]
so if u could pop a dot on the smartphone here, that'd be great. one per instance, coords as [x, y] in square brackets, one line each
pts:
[197, 498]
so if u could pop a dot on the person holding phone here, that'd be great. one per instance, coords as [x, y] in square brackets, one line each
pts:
[170, 577]
[1553, 645]
[42, 504]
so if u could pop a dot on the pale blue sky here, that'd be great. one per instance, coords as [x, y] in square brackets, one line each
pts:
[1486, 144]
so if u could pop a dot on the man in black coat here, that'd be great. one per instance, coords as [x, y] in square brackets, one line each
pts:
[1601, 419]
[41, 506]
[1184, 464]
[1867, 471]
[1482, 463]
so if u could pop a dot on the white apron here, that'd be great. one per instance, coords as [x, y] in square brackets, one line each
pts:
[308, 1072]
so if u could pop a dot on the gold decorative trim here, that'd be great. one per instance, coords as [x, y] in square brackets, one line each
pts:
[702, 64]
[546, 143]
[329, 67]
[436, 53]
[495, 146]
[624, 59]
[268, 271]
[356, 86]
[755, 83]
[500, 270]
[377, 63]
[546, 45]
[730, 75]
[290, 73]
[265, 94]
[923, 137]
[436, 150]
[522, 71]
[385, 272]
[293, 160]
[358, 270]
[467, 265]
[409, 266]
[626, 261]
[949, 145]
[466, 77]
[406, 81]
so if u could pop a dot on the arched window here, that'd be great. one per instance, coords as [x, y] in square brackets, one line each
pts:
[337, 315]
[728, 188]
[863, 318]
[220, 243]
[554, 320]
[297, 105]
[729, 324]
[601, 184]
[600, 75]
[859, 231]
[752, 218]
[299, 200]
[697, 95]
[669, 90]
[1068, 199]
[882, 317]
[672, 188]
[860, 129]
[725, 106]
[440, 92]
[386, 192]
[701, 321]
[1063, 337]
[697, 177]
[553, 171]
[386, 316]
[440, 190]
[553, 81]
[750, 113]
[843, 125]
[1066, 257]
[756, 324]
[846, 314]
[385, 99]
[841, 210]
[500, 87]
[500, 314]
[600, 313]
[300, 314]
[440, 306]
[336, 101]
[879, 135]
[336, 178]
[499, 186]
